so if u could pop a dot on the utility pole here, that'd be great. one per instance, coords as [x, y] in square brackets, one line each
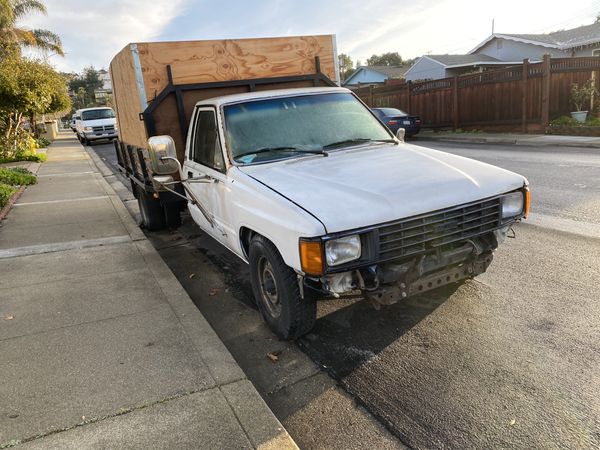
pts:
[493, 26]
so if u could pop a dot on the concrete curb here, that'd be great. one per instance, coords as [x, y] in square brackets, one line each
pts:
[509, 141]
[261, 426]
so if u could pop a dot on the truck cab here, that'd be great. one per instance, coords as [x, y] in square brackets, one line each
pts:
[93, 124]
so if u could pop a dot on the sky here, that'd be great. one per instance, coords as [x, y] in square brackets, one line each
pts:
[93, 32]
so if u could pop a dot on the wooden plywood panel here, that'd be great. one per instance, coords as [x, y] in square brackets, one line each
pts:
[240, 59]
[127, 99]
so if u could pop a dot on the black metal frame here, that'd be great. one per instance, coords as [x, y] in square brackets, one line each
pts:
[125, 152]
[178, 89]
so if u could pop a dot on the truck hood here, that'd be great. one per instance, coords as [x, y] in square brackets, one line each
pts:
[375, 184]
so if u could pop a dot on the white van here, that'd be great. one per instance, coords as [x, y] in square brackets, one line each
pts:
[95, 123]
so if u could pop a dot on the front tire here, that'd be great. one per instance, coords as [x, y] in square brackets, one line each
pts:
[276, 290]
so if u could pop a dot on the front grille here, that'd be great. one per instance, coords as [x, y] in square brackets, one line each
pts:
[420, 234]
[104, 128]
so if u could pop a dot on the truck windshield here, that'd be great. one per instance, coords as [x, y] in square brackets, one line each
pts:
[303, 124]
[95, 114]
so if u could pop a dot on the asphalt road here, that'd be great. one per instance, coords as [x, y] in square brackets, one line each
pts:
[564, 181]
[509, 360]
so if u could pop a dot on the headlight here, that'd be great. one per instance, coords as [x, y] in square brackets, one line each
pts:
[342, 250]
[87, 129]
[512, 204]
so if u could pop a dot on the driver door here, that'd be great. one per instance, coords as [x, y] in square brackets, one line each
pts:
[205, 162]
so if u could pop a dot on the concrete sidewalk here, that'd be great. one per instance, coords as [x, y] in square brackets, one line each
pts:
[101, 347]
[536, 140]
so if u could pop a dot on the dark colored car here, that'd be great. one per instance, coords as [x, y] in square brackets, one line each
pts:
[395, 118]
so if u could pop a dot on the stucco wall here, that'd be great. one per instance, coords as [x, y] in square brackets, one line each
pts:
[588, 51]
[365, 77]
[425, 69]
[518, 51]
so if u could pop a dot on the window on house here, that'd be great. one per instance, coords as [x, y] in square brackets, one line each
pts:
[596, 52]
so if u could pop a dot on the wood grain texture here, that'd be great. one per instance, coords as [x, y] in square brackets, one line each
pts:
[207, 61]
[127, 99]
[240, 59]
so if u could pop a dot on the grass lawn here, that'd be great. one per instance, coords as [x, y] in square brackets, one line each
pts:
[11, 179]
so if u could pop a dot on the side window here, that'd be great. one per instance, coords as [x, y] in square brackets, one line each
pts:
[206, 147]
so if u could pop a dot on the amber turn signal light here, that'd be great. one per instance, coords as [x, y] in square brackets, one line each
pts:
[527, 201]
[311, 257]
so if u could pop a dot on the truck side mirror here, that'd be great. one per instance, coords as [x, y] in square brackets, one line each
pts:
[400, 134]
[163, 156]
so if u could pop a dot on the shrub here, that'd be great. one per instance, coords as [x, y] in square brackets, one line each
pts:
[581, 95]
[593, 122]
[41, 157]
[6, 193]
[565, 121]
[16, 177]
[43, 142]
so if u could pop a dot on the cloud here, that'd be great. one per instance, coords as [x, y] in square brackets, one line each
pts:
[93, 32]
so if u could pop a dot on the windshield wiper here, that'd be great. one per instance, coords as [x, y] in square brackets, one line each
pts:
[282, 149]
[357, 141]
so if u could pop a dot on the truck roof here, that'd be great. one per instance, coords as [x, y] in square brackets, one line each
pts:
[236, 98]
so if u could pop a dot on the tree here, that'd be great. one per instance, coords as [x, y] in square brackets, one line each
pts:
[27, 88]
[83, 86]
[346, 65]
[13, 37]
[386, 59]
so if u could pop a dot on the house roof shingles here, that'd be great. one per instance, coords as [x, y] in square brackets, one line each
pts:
[389, 71]
[453, 60]
[563, 39]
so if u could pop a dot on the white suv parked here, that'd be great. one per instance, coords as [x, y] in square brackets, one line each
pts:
[95, 123]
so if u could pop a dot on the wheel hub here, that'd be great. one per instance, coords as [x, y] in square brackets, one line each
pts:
[268, 287]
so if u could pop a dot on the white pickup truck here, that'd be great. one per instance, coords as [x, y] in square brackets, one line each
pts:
[298, 177]
[321, 199]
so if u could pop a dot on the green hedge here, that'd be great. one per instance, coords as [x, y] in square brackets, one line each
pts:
[10, 179]
[6, 193]
[568, 121]
[16, 176]
[41, 157]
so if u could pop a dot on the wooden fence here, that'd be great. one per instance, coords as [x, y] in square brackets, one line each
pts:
[518, 98]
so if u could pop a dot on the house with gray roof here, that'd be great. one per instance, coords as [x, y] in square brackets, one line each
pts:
[434, 67]
[501, 49]
[374, 75]
[580, 41]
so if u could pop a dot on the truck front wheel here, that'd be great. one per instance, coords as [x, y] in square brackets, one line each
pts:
[277, 293]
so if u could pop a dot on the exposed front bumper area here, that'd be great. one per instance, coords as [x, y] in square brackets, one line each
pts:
[389, 282]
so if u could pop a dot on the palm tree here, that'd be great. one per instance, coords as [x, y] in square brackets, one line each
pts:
[14, 37]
